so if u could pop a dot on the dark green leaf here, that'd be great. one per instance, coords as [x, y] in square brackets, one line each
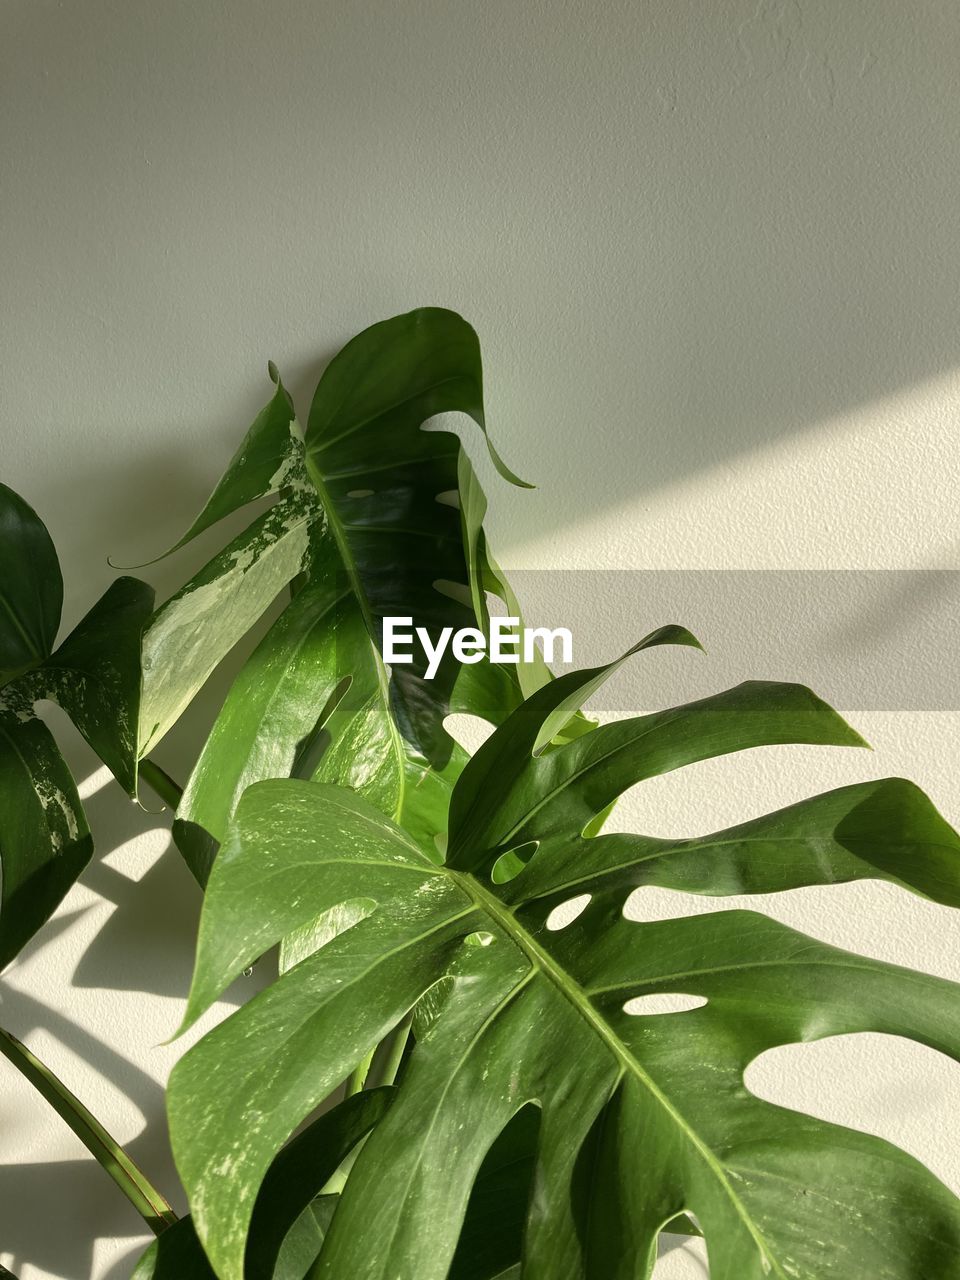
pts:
[95, 676]
[316, 699]
[44, 839]
[305, 1239]
[31, 588]
[298, 1174]
[492, 1235]
[289, 1221]
[175, 1255]
[376, 394]
[178, 1254]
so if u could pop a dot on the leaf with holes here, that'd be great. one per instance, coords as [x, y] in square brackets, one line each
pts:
[641, 1118]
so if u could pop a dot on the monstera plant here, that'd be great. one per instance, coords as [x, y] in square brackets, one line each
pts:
[450, 1079]
[95, 675]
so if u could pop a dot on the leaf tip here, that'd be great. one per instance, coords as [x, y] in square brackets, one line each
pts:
[195, 1008]
[186, 1022]
[503, 470]
[685, 637]
[124, 567]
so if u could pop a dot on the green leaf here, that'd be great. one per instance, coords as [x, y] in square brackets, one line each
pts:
[95, 676]
[44, 839]
[31, 588]
[312, 1028]
[360, 854]
[108, 1153]
[304, 702]
[643, 1116]
[378, 391]
[285, 1233]
[487, 576]
[305, 1239]
[178, 1255]
[199, 625]
[175, 1255]
[298, 1174]
[268, 461]
[870, 830]
[190, 634]
[587, 775]
[315, 699]
[492, 1236]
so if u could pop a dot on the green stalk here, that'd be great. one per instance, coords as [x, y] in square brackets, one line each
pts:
[162, 783]
[362, 1077]
[387, 1072]
[358, 1076]
[337, 1181]
[131, 1180]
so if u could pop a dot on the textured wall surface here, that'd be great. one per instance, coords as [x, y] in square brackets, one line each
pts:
[712, 254]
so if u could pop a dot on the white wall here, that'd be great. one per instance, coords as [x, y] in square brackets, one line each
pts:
[711, 250]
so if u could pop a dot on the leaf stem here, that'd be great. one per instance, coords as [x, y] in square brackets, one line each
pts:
[358, 1076]
[162, 783]
[366, 1076]
[131, 1180]
[386, 1072]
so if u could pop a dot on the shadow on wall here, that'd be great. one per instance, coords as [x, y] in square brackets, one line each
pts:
[126, 528]
[682, 232]
[55, 1210]
[57, 1240]
[151, 933]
